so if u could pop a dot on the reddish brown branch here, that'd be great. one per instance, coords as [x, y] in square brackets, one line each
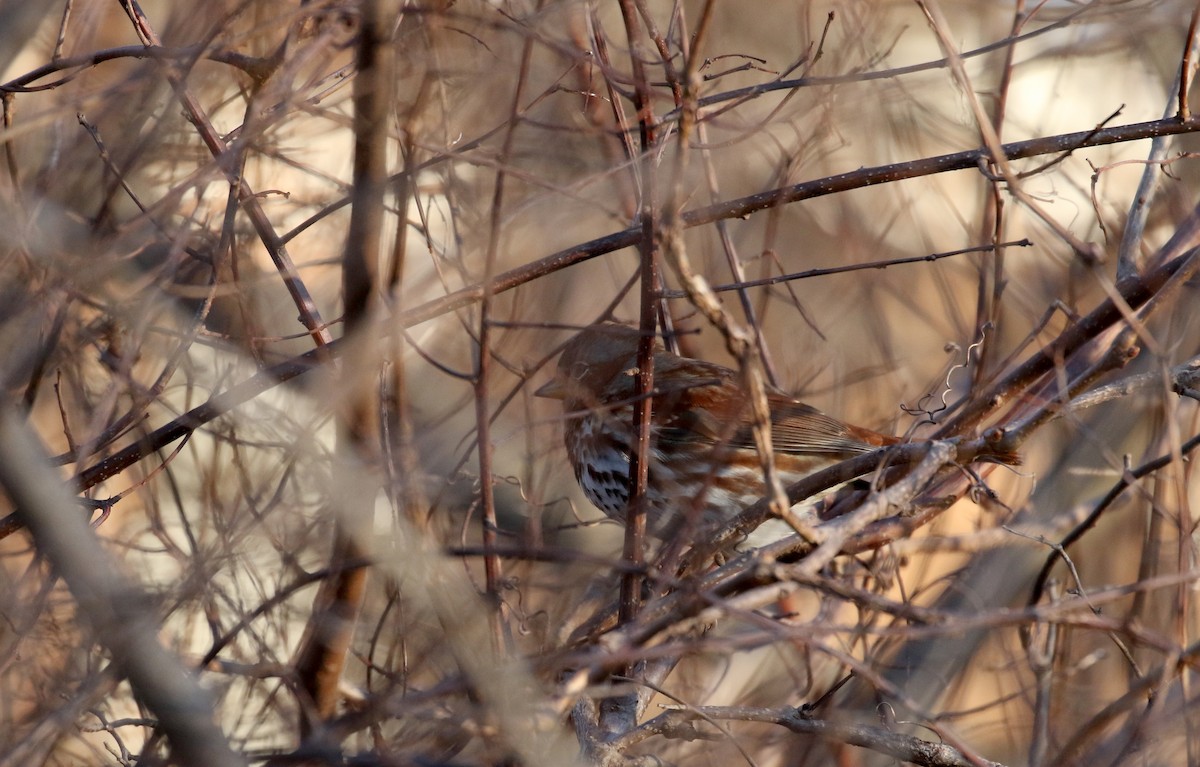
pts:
[744, 206]
[1135, 290]
[310, 316]
[321, 657]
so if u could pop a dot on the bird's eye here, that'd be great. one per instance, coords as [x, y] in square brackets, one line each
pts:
[579, 370]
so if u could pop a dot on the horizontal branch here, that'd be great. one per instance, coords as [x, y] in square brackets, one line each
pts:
[122, 614]
[215, 407]
[907, 748]
[258, 68]
[754, 203]
[224, 402]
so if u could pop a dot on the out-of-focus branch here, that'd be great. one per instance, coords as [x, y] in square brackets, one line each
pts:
[1129, 251]
[682, 723]
[121, 614]
[258, 68]
[226, 401]
[322, 654]
[309, 314]
[806, 190]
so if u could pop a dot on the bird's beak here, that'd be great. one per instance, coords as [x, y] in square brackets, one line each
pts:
[553, 390]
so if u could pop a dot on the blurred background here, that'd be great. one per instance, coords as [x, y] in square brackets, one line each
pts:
[176, 220]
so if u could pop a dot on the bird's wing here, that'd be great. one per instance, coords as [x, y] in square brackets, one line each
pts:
[710, 415]
[697, 402]
[800, 428]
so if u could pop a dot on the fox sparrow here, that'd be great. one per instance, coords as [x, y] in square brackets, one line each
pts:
[702, 452]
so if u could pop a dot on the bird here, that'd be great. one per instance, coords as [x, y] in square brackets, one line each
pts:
[703, 467]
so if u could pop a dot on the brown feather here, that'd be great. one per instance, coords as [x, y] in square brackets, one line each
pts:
[702, 454]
